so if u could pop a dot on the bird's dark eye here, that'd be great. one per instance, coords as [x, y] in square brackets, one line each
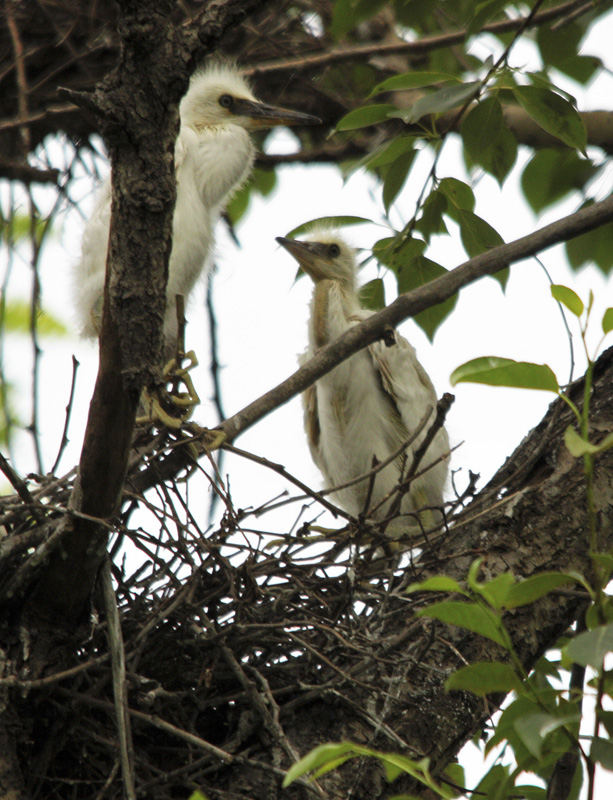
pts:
[334, 251]
[226, 101]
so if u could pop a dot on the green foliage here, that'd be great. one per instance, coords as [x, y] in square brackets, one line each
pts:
[413, 269]
[262, 182]
[439, 101]
[554, 114]
[18, 228]
[592, 247]
[348, 13]
[551, 175]
[496, 371]
[411, 80]
[487, 677]
[326, 222]
[540, 723]
[487, 141]
[372, 294]
[327, 757]
[17, 319]
[366, 116]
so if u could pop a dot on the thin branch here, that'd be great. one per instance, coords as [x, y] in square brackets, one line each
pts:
[64, 440]
[425, 45]
[280, 470]
[120, 689]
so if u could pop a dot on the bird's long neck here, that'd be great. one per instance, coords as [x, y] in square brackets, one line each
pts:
[332, 306]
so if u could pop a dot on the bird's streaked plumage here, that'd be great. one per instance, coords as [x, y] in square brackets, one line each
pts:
[214, 156]
[371, 403]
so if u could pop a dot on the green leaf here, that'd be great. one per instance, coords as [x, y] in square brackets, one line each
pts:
[607, 321]
[560, 47]
[484, 677]
[459, 194]
[567, 297]
[326, 222]
[438, 583]
[480, 126]
[411, 80]
[578, 446]
[484, 12]
[326, 757]
[487, 141]
[602, 752]
[552, 174]
[495, 591]
[395, 177]
[264, 181]
[239, 203]
[496, 371]
[372, 294]
[17, 320]
[535, 587]
[348, 13]
[594, 246]
[606, 717]
[498, 159]
[365, 116]
[471, 616]
[477, 234]
[431, 220]
[590, 648]
[416, 272]
[554, 114]
[437, 102]
[198, 795]
[534, 729]
[389, 152]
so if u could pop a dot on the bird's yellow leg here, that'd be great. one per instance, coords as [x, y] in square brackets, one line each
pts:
[161, 404]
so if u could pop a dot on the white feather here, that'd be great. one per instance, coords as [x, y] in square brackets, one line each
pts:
[368, 405]
[213, 158]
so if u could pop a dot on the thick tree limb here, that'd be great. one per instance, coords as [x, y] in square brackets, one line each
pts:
[371, 330]
[133, 105]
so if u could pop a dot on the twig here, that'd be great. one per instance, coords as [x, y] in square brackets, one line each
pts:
[120, 690]
[18, 484]
[64, 441]
[214, 372]
[280, 470]
[20, 69]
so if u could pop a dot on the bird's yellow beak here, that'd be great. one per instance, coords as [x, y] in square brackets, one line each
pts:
[261, 115]
[312, 256]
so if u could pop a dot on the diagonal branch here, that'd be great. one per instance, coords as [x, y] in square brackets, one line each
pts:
[407, 305]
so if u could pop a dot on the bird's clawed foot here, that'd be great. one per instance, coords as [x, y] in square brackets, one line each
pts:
[168, 404]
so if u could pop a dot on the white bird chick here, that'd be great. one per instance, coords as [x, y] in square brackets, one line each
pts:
[214, 156]
[371, 403]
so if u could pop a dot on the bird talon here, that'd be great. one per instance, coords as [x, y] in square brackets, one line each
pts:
[216, 439]
[172, 408]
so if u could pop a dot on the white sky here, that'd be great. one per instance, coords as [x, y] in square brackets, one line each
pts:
[262, 317]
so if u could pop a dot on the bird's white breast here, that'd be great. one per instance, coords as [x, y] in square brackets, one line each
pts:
[358, 419]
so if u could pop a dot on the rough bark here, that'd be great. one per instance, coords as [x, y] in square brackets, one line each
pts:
[133, 106]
